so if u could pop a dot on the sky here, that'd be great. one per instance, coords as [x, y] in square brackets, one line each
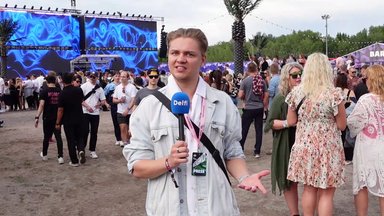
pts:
[276, 17]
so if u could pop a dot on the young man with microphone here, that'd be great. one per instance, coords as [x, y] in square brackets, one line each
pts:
[184, 178]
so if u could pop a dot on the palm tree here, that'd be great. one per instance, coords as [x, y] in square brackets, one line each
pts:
[8, 28]
[259, 41]
[239, 9]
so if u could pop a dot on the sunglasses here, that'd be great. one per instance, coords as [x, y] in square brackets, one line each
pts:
[78, 81]
[153, 77]
[296, 75]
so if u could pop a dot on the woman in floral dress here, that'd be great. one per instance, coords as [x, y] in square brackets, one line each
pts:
[317, 157]
[367, 123]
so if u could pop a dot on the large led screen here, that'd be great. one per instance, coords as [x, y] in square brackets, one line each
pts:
[43, 42]
[135, 41]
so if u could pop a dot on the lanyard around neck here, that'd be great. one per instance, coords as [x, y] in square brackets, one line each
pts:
[201, 123]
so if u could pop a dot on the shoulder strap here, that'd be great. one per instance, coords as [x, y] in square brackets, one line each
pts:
[91, 92]
[349, 92]
[204, 139]
[298, 106]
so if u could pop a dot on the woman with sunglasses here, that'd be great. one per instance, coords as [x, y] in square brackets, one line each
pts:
[317, 156]
[283, 136]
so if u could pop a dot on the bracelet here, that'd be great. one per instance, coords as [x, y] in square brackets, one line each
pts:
[285, 123]
[242, 178]
[37, 117]
[171, 172]
[167, 165]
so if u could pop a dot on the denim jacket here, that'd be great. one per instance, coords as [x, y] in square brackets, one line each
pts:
[155, 129]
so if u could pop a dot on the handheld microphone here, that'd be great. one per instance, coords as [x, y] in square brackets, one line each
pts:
[180, 106]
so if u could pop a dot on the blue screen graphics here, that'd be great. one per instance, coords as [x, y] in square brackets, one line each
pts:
[44, 42]
[135, 41]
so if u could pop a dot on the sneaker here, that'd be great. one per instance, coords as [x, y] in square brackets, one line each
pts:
[122, 144]
[348, 162]
[60, 160]
[117, 143]
[44, 158]
[82, 157]
[73, 164]
[93, 155]
[257, 155]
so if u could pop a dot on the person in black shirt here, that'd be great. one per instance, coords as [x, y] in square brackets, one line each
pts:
[49, 98]
[70, 114]
[362, 88]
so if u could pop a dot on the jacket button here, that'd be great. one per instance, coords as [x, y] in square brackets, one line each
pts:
[181, 201]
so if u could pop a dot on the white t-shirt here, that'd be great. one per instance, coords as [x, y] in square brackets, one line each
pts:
[28, 88]
[40, 81]
[2, 86]
[94, 99]
[130, 94]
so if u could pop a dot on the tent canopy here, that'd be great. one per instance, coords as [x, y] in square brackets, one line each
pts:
[372, 54]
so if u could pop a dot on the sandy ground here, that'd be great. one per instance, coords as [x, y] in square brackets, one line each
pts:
[30, 186]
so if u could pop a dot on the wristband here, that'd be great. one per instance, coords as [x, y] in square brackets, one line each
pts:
[285, 123]
[171, 172]
[37, 117]
[167, 165]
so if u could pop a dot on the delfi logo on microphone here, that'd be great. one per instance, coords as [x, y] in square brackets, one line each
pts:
[180, 103]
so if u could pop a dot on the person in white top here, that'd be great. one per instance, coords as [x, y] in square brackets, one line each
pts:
[366, 124]
[94, 99]
[124, 97]
[2, 87]
[28, 88]
[155, 154]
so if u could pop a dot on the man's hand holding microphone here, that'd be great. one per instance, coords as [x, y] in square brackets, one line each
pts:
[179, 152]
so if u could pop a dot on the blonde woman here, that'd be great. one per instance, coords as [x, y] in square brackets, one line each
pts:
[284, 136]
[317, 157]
[366, 122]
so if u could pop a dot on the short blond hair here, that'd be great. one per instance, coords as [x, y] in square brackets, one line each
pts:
[284, 77]
[193, 33]
[375, 82]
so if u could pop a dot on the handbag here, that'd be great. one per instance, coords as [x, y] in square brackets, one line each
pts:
[349, 141]
[204, 139]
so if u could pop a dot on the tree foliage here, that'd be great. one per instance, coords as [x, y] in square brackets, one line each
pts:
[8, 28]
[239, 9]
[301, 42]
[221, 52]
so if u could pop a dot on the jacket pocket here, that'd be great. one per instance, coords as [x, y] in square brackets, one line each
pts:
[218, 129]
[156, 135]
